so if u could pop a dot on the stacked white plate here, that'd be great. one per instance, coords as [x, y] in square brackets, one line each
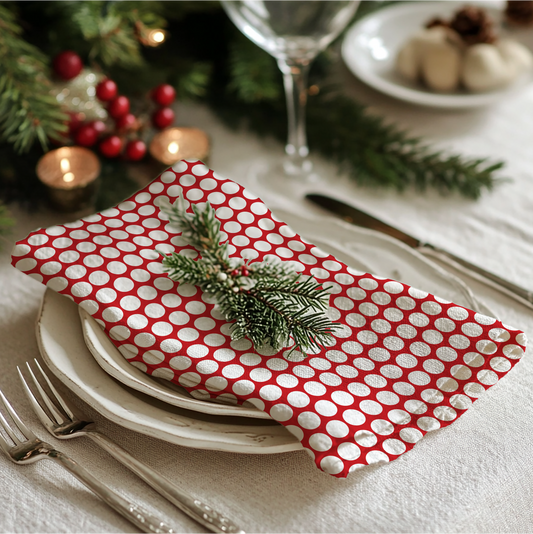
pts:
[81, 355]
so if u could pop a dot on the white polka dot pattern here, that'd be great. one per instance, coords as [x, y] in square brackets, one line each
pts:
[404, 363]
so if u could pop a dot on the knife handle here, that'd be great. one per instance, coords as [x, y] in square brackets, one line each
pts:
[513, 291]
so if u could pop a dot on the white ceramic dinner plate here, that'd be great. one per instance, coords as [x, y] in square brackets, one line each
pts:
[62, 346]
[370, 47]
[115, 364]
[63, 350]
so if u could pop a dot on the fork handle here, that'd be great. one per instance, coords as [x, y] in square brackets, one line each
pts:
[194, 508]
[137, 515]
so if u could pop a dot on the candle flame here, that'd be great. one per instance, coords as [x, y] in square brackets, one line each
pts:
[173, 147]
[65, 165]
[68, 177]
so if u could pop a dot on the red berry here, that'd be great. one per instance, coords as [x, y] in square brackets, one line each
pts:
[67, 65]
[118, 107]
[135, 150]
[86, 135]
[163, 117]
[99, 126]
[106, 90]
[164, 94]
[111, 146]
[126, 122]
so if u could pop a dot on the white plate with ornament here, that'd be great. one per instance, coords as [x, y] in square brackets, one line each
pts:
[370, 47]
[365, 250]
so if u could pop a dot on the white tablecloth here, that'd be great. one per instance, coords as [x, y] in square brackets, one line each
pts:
[474, 476]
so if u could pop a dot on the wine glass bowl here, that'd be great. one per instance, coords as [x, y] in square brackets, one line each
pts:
[291, 29]
[294, 33]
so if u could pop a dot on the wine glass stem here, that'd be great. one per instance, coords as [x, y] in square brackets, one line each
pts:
[295, 74]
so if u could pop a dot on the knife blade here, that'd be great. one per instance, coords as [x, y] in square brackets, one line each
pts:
[357, 217]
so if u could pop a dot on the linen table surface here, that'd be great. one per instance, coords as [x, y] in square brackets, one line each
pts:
[471, 476]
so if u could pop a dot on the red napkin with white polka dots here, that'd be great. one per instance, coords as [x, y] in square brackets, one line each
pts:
[405, 362]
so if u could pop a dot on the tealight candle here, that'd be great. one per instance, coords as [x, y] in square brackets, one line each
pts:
[70, 176]
[175, 144]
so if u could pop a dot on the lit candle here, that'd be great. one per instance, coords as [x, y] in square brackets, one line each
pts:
[70, 176]
[175, 144]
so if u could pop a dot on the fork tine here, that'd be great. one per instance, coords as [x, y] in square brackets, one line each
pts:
[7, 427]
[24, 430]
[41, 414]
[57, 395]
[58, 417]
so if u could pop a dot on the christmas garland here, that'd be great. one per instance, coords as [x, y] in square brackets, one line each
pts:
[267, 302]
[235, 77]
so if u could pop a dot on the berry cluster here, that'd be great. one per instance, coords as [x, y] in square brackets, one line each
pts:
[163, 95]
[121, 135]
[126, 124]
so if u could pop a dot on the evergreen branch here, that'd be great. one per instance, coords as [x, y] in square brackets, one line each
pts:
[289, 316]
[113, 29]
[371, 151]
[376, 153]
[201, 229]
[254, 73]
[272, 269]
[187, 270]
[111, 44]
[265, 302]
[193, 79]
[292, 291]
[27, 111]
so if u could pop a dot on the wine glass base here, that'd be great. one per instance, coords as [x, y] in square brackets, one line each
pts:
[281, 178]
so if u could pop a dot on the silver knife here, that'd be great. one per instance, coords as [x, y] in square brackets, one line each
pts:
[360, 218]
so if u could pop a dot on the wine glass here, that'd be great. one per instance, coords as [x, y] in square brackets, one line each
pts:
[294, 32]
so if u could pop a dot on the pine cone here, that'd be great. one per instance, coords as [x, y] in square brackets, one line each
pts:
[473, 25]
[519, 12]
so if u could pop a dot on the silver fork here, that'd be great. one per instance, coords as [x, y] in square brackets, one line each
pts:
[32, 449]
[65, 422]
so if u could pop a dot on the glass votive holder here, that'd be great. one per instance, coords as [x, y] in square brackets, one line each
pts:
[70, 176]
[174, 144]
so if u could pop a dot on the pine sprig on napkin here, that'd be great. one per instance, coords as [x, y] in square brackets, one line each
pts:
[267, 302]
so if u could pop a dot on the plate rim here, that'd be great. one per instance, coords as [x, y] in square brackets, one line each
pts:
[136, 379]
[419, 96]
[261, 439]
